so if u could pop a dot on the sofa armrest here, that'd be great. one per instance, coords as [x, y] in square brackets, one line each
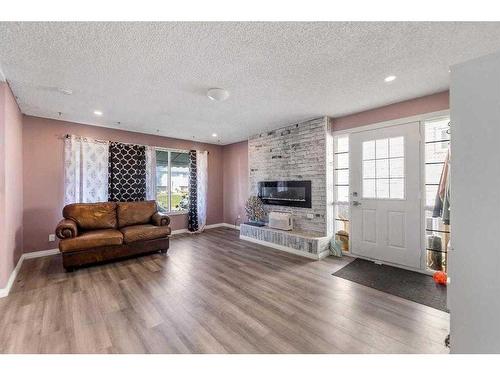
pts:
[160, 219]
[66, 228]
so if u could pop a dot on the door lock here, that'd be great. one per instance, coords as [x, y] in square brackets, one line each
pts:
[356, 203]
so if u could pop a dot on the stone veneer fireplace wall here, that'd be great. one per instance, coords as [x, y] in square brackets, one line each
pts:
[302, 151]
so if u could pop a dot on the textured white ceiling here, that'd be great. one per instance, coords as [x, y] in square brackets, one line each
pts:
[152, 77]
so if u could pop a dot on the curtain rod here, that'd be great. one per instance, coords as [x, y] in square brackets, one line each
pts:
[68, 136]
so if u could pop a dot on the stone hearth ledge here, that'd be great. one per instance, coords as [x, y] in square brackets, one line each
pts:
[311, 245]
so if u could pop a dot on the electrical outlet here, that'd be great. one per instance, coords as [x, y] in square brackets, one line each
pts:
[52, 237]
[239, 217]
[310, 216]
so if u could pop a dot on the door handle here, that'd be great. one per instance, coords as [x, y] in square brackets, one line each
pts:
[356, 203]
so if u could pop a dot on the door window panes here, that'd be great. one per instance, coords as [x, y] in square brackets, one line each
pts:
[383, 169]
[369, 169]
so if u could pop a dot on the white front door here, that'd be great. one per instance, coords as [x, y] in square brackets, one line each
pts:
[385, 194]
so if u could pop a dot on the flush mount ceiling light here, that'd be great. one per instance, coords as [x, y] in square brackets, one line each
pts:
[389, 79]
[214, 135]
[98, 113]
[218, 95]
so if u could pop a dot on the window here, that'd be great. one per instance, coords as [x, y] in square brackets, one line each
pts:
[341, 166]
[437, 233]
[383, 168]
[341, 189]
[172, 180]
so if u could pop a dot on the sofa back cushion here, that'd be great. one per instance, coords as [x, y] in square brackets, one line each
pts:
[91, 216]
[135, 213]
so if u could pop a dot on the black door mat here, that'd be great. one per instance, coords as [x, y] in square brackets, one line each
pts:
[406, 284]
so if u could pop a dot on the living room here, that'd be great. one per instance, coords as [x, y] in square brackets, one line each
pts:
[248, 187]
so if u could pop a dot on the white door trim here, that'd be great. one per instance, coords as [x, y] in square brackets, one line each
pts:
[407, 249]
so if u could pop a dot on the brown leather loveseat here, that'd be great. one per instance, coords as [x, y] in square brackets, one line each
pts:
[96, 232]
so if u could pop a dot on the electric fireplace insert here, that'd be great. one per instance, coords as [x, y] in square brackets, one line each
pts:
[286, 193]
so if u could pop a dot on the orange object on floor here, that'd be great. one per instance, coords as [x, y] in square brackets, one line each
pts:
[440, 277]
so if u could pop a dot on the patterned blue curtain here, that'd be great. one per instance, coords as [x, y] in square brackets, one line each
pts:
[193, 194]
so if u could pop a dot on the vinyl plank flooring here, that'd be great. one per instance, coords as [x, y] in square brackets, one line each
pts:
[212, 293]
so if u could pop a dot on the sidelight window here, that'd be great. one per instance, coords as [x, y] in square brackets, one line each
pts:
[341, 190]
[437, 232]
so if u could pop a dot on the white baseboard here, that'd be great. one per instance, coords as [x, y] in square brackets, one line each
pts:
[232, 226]
[4, 292]
[210, 226]
[319, 256]
[179, 231]
[218, 225]
[39, 254]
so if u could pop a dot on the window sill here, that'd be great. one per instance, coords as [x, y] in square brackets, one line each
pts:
[175, 213]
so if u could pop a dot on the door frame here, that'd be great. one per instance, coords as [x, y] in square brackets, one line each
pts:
[421, 118]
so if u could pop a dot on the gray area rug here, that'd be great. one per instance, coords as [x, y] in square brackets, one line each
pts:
[406, 284]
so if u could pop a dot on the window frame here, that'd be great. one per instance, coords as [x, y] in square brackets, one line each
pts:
[169, 151]
[442, 230]
[340, 205]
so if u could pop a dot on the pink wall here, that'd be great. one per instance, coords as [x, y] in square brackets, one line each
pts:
[424, 104]
[43, 174]
[11, 184]
[235, 164]
[3, 251]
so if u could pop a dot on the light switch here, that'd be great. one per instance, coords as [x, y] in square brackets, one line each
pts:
[52, 237]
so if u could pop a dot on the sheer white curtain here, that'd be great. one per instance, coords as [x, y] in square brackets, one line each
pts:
[201, 188]
[85, 170]
[150, 173]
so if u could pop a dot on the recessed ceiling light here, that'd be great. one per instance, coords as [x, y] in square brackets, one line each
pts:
[64, 91]
[389, 79]
[214, 134]
[98, 113]
[217, 94]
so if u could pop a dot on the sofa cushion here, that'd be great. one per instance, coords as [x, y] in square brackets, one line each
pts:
[92, 239]
[90, 216]
[135, 213]
[144, 232]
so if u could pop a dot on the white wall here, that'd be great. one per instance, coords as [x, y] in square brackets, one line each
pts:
[474, 293]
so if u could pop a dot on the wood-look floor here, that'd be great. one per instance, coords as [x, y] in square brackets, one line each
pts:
[212, 293]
